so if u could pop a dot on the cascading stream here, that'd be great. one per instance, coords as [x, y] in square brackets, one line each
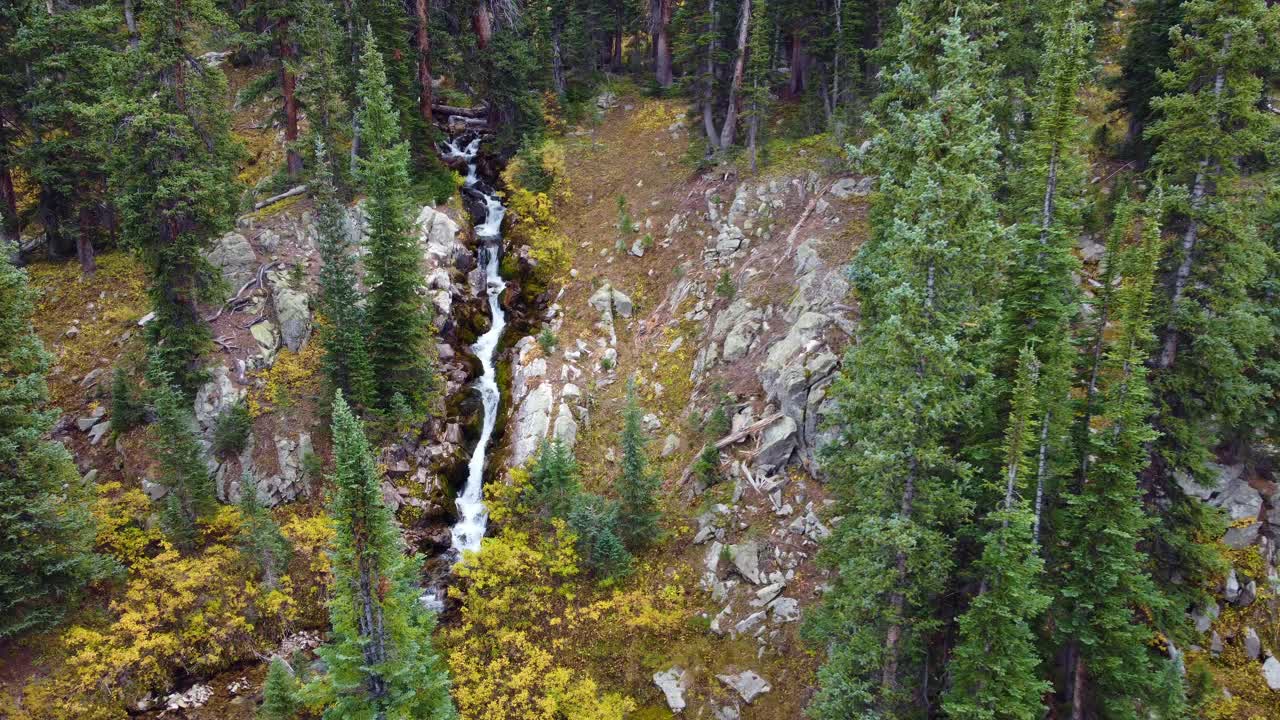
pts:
[473, 516]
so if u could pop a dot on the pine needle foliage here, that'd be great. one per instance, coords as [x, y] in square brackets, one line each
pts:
[638, 512]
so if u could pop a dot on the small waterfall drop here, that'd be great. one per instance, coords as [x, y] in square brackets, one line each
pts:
[473, 516]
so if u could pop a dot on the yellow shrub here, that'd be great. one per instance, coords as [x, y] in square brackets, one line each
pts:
[120, 534]
[311, 539]
[286, 381]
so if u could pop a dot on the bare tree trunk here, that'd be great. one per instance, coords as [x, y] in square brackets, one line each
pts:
[615, 58]
[662, 43]
[131, 23]
[84, 242]
[288, 90]
[797, 66]
[422, 14]
[753, 129]
[730, 127]
[482, 25]
[9, 224]
[1042, 470]
[835, 60]
[1078, 685]
[557, 58]
[708, 87]
[371, 625]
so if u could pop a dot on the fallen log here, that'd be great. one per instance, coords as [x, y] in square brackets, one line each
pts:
[277, 198]
[470, 112]
[732, 438]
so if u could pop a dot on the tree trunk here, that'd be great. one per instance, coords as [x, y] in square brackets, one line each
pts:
[1042, 470]
[1169, 348]
[9, 225]
[615, 58]
[753, 129]
[422, 14]
[797, 66]
[84, 242]
[482, 25]
[730, 127]
[131, 23]
[898, 599]
[662, 44]
[288, 87]
[1078, 686]
[557, 59]
[708, 87]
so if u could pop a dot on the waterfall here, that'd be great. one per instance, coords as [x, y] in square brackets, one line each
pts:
[473, 516]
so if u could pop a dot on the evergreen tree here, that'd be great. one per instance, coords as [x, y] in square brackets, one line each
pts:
[342, 335]
[279, 693]
[401, 348]
[46, 530]
[180, 456]
[907, 390]
[594, 521]
[260, 536]
[1042, 296]
[320, 88]
[758, 92]
[1144, 56]
[166, 134]
[1211, 130]
[271, 27]
[638, 513]
[381, 660]
[995, 668]
[554, 480]
[1102, 582]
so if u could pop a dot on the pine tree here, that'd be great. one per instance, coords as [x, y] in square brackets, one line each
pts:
[260, 536]
[995, 667]
[46, 530]
[183, 470]
[381, 659]
[638, 513]
[279, 693]
[1042, 295]
[1102, 582]
[401, 348]
[342, 335]
[280, 41]
[1144, 56]
[1210, 127]
[554, 480]
[165, 131]
[320, 89]
[913, 383]
[594, 521]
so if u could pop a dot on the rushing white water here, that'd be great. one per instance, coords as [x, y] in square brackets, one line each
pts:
[473, 516]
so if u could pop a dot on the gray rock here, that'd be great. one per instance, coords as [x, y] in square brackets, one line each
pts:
[1203, 621]
[670, 445]
[602, 299]
[746, 560]
[767, 593]
[671, 683]
[293, 312]
[845, 188]
[1231, 588]
[785, 609]
[651, 422]
[1215, 643]
[566, 428]
[234, 256]
[1271, 673]
[438, 234]
[99, 431]
[154, 490]
[777, 443]
[747, 684]
[265, 333]
[1243, 536]
[1252, 644]
[637, 247]
[749, 623]
[532, 421]
[214, 398]
[622, 304]
[725, 712]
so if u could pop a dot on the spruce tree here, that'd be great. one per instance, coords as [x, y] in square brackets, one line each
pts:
[320, 89]
[342, 335]
[280, 41]
[381, 659]
[166, 135]
[915, 381]
[1211, 130]
[46, 530]
[758, 90]
[1101, 578]
[401, 347]
[260, 536]
[1042, 296]
[594, 520]
[180, 457]
[279, 693]
[995, 669]
[638, 513]
[554, 479]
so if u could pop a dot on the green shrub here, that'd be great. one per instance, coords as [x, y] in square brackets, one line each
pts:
[594, 521]
[127, 409]
[547, 340]
[231, 431]
[725, 287]
[625, 224]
